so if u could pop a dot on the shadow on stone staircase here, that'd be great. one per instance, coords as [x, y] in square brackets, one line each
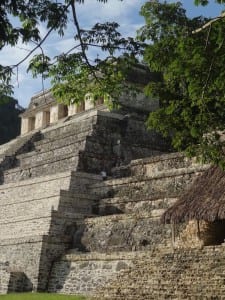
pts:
[115, 242]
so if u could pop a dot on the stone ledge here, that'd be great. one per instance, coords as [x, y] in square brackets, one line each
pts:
[123, 217]
[65, 135]
[22, 219]
[48, 157]
[74, 195]
[157, 158]
[74, 119]
[123, 199]
[46, 215]
[21, 240]
[158, 175]
[30, 200]
[73, 255]
[86, 175]
[40, 238]
[36, 180]
[5, 147]
[37, 152]
[42, 163]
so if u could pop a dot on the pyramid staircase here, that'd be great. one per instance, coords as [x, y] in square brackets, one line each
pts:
[44, 195]
[125, 227]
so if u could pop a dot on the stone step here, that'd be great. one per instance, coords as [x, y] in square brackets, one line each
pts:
[80, 202]
[152, 166]
[47, 145]
[84, 272]
[35, 157]
[74, 124]
[29, 207]
[51, 223]
[47, 167]
[24, 228]
[13, 146]
[35, 188]
[116, 205]
[162, 185]
[62, 201]
[125, 232]
[77, 130]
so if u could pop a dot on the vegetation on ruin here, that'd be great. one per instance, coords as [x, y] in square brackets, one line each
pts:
[189, 53]
[39, 296]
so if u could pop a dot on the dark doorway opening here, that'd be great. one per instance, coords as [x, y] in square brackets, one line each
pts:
[215, 233]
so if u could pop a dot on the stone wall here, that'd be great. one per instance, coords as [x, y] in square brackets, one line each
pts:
[130, 232]
[163, 274]
[83, 273]
[87, 143]
[194, 234]
[4, 277]
[126, 224]
[52, 200]
[37, 223]
[24, 256]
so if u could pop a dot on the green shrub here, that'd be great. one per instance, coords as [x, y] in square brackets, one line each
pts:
[39, 296]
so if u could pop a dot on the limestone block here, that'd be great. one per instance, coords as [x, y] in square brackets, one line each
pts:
[4, 277]
[89, 101]
[24, 125]
[84, 276]
[58, 112]
[39, 119]
[72, 109]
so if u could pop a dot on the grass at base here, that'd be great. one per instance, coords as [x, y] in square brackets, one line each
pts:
[39, 296]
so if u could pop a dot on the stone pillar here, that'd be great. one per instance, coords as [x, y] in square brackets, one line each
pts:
[76, 108]
[89, 101]
[24, 125]
[54, 114]
[39, 119]
[72, 109]
[57, 112]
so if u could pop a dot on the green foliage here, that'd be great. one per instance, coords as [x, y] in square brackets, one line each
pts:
[39, 296]
[205, 2]
[73, 76]
[29, 14]
[191, 94]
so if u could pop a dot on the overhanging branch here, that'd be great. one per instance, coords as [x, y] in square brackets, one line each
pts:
[209, 23]
[82, 45]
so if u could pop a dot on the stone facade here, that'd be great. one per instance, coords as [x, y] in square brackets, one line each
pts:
[181, 274]
[66, 229]
[79, 273]
[45, 177]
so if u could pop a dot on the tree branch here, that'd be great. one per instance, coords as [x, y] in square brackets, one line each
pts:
[210, 69]
[42, 75]
[38, 45]
[209, 23]
[82, 45]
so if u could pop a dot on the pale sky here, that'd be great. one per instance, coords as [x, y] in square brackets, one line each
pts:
[126, 13]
